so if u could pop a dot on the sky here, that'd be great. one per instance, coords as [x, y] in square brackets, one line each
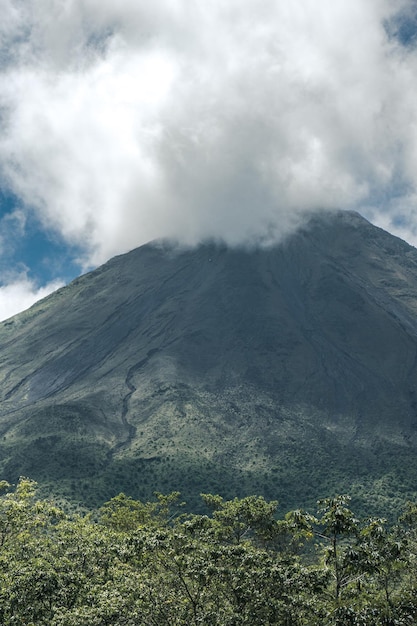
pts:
[123, 122]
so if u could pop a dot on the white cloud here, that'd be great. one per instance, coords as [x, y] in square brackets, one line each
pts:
[21, 294]
[123, 122]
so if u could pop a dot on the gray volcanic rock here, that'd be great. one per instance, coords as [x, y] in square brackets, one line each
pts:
[288, 371]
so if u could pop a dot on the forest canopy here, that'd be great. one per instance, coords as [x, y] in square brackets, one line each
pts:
[131, 563]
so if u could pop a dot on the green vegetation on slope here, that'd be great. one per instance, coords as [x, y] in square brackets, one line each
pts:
[85, 473]
[131, 563]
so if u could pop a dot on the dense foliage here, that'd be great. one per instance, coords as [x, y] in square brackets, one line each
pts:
[131, 563]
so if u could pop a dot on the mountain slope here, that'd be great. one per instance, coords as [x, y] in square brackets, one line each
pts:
[289, 371]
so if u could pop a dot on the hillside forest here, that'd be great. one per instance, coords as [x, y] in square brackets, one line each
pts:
[130, 563]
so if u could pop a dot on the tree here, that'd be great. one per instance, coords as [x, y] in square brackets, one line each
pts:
[247, 518]
[123, 513]
[336, 526]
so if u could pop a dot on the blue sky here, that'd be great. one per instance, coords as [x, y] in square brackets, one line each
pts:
[124, 122]
[34, 261]
[31, 248]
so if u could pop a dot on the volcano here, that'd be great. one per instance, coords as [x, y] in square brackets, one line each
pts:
[287, 371]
